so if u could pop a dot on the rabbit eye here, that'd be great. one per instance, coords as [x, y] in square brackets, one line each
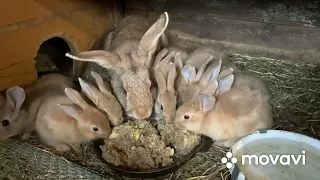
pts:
[95, 129]
[161, 108]
[5, 123]
[186, 116]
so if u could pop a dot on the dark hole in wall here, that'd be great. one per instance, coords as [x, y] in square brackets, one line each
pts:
[51, 57]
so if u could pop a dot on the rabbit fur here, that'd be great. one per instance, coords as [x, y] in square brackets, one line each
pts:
[241, 107]
[190, 83]
[65, 120]
[102, 98]
[165, 74]
[128, 61]
[20, 107]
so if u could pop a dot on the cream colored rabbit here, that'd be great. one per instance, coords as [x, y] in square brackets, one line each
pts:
[65, 121]
[103, 99]
[130, 57]
[234, 113]
[20, 108]
[201, 59]
[191, 83]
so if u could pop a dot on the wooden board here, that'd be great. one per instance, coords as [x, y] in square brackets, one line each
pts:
[79, 23]
[286, 30]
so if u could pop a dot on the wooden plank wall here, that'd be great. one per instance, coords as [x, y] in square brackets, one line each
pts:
[278, 29]
[24, 25]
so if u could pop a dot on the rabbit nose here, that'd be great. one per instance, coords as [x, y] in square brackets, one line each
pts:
[142, 113]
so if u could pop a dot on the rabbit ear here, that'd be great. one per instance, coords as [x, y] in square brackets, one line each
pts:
[71, 110]
[15, 97]
[149, 41]
[188, 72]
[164, 63]
[215, 71]
[171, 78]
[75, 97]
[159, 57]
[178, 61]
[225, 72]
[211, 87]
[203, 68]
[164, 39]
[161, 81]
[101, 85]
[207, 102]
[88, 89]
[103, 58]
[225, 84]
[211, 73]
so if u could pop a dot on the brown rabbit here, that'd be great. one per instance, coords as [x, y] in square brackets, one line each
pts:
[167, 96]
[129, 60]
[66, 121]
[231, 115]
[103, 99]
[21, 106]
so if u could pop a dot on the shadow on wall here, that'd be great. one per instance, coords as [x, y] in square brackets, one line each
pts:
[51, 57]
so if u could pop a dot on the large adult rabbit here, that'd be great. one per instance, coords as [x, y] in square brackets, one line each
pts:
[129, 59]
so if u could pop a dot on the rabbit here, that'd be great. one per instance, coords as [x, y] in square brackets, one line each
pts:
[103, 98]
[165, 104]
[65, 121]
[241, 107]
[128, 62]
[21, 105]
[190, 82]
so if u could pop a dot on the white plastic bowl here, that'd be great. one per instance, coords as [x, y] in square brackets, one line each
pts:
[272, 143]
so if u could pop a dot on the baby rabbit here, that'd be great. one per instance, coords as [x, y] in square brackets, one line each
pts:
[232, 114]
[202, 58]
[167, 96]
[65, 120]
[20, 107]
[103, 98]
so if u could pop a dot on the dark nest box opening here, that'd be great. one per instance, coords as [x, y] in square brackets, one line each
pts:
[51, 57]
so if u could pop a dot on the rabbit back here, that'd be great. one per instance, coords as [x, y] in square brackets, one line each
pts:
[239, 112]
[53, 124]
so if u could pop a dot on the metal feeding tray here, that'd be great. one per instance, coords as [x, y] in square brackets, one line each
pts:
[203, 146]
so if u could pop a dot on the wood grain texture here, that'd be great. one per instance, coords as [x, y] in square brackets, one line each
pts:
[23, 29]
[278, 29]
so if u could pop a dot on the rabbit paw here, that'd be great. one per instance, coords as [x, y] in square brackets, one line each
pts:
[62, 148]
[25, 136]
